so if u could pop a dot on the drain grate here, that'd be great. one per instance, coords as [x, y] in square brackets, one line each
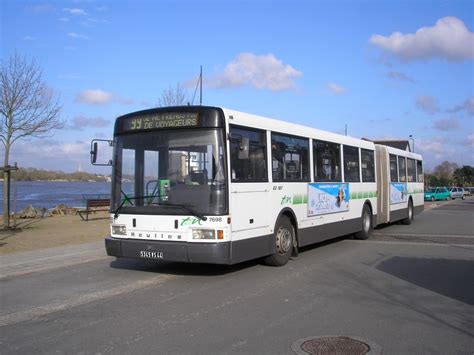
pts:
[335, 345]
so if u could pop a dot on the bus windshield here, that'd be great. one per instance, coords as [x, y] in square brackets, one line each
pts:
[170, 172]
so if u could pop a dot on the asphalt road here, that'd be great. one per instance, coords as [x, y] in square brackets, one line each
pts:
[409, 289]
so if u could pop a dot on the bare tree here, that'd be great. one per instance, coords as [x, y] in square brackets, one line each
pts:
[28, 109]
[173, 97]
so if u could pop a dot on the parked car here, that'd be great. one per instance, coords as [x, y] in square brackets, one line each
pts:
[457, 192]
[469, 191]
[437, 193]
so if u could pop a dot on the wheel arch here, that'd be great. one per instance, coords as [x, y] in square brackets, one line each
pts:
[374, 216]
[291, 215]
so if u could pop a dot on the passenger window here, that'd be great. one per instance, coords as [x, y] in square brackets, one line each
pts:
[419, 171]
[248, 155]
[351, 164]
[290, 158]
[393, 168]
[411, 169]
[368, 165]
[402, 169]
[327, 161]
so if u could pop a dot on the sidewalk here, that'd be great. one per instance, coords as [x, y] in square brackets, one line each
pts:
[52, 258]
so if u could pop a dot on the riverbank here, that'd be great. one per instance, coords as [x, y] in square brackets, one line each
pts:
[43, 233]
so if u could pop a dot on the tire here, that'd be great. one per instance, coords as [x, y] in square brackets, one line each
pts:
[433, 199]
[463, 197]
[283, 239]
[367, 227]
[407, 221]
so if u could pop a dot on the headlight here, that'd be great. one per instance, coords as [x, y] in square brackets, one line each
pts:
[204, 234]
[119, 229]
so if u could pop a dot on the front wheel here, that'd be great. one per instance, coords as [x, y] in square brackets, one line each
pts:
[283, 239]
[367, 227]
[407, 221]
[433, 199]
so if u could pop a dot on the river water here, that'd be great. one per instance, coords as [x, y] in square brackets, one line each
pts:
[51, 193]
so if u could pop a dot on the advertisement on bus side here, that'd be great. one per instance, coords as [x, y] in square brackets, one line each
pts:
[327, 198]
[398, 192]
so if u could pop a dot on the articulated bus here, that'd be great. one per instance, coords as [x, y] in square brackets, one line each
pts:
[211, 185]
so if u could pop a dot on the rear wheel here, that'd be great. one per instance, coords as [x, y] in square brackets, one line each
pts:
[409, 218]
[367, 227]
[283, 239]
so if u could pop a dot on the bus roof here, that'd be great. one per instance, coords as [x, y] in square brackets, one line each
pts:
[246, 119]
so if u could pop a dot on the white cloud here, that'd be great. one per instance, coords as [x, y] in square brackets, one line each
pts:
[28, 38]
[428, 104]
[81, 122]
[448, 124]
[260, 71]
[94, 97]
[449, 38]
[467, 105]
[52, 154]
[400, 76]
[469, 140]
[64, 19]
[435, 149]
[336, 89]
[75, 11]
[77, 35]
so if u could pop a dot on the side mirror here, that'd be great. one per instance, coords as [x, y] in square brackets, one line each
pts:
[244, 148]
[95, 151]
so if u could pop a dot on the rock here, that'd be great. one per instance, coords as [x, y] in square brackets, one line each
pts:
[59, 210]
[28, 212]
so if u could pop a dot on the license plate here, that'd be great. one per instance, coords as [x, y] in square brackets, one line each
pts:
[147, 254]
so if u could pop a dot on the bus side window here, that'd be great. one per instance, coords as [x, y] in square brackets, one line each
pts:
[419, 171]
[327, 161]
[368, 165]
[290, 158]
[411, 170]
[402, 169]
[351, 164]
[393, 168]
[248, 155]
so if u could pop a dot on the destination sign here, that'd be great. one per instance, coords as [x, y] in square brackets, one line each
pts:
[161, 120]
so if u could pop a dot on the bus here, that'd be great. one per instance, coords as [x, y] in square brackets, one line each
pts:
[205, 184]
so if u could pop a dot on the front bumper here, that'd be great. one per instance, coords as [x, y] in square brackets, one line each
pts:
[213, 253]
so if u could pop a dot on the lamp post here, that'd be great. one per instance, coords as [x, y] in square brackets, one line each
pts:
[413, 142]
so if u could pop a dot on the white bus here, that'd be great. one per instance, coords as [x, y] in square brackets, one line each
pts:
[211, 185]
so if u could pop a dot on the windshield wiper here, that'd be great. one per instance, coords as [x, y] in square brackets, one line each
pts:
[184, 207]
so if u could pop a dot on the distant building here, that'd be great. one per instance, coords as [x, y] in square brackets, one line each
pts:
[399, 144]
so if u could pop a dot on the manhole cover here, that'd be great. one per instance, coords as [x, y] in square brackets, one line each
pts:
[335, 345]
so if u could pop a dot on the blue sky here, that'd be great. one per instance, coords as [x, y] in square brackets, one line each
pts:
[323, 64]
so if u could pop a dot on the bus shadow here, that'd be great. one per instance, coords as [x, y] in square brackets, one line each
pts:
[324, 243]
[182, 269]
[444, 276]
[189, 269]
